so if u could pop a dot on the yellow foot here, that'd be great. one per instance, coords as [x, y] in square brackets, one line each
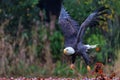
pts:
[72, 66]
[88, 68]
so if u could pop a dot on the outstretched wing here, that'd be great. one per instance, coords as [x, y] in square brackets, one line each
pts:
[68, 26]
[92, 20]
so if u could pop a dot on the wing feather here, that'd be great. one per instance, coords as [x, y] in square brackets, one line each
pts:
[92, 20]
[68, 26]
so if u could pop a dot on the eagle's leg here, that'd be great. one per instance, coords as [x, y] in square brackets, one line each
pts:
[87, 60]
[72, 65]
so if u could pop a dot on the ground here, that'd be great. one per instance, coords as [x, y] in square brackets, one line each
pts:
[51, 78]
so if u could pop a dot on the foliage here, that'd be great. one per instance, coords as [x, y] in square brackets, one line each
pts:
[15, 10]
[23, 37]
[56, 46]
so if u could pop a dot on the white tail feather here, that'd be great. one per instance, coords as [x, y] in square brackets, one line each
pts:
[91, 46]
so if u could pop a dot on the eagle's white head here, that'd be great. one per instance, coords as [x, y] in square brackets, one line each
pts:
[69, 51]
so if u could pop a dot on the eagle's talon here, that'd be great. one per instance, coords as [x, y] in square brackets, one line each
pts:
[72, 66]
[88, 68]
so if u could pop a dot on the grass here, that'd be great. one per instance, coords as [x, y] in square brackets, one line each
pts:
[117, 63]
[25, 55]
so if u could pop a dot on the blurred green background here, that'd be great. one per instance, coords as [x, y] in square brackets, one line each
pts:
[25, 50]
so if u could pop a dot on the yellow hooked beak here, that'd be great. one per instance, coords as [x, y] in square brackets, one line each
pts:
[65, 51]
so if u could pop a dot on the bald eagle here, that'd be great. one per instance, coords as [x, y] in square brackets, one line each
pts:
[73, 33]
